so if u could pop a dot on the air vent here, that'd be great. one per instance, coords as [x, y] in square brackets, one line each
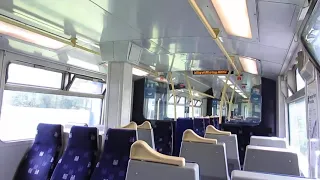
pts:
[307, 72]
[305, 67]
[134, 53]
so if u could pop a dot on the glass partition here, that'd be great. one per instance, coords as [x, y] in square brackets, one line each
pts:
[242, 101]
[159, 101]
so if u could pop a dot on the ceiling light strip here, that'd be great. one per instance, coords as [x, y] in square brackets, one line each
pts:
[234, 17]
[46, 34]
[249, 65]
[205, 22]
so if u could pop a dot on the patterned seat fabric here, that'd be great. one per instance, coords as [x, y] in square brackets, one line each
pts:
[206, 122]
[198, 126]
[114, 159]
[78, 160]
[163, 136]
[42, 157]
[182, 124]
[216, 122]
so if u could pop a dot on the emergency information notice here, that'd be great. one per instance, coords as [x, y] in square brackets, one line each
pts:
[312, 110]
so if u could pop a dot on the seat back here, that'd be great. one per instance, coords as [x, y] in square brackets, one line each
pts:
[231, 143]
[245, 175]
[207, 153]
[146, 163]
[42, 157]
[206, 122]
[198, 126]
[145, 133]
[271, 160]
[182, 124]
[163, 136]
[67, 128]
[115, 156]
[77, 162]
[268, 141]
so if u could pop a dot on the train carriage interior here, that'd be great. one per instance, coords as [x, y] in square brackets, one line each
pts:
[159, 89]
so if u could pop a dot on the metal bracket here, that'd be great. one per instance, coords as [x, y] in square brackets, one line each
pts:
[73, 41]
[216, 31]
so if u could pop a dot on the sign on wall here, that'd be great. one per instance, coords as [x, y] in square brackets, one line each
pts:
[149, 89]
[211, 72]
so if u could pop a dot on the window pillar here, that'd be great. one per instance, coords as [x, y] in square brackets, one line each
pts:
[119, 94]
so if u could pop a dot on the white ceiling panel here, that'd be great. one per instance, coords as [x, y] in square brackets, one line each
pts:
[277, 23]
[157, 18]
[189, 45]
[271, 38]
[255, 50]
[270, 67]
[86, 19]
[276, 15]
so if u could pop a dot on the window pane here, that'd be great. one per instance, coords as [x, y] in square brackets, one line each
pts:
[170, 111]
[289, 92]
[171, 100]
[87, 86]
[25, 75]
[182, 100]
[299, 80]
[311, 34]
[22, 111]
[298, 131]
[197, 111]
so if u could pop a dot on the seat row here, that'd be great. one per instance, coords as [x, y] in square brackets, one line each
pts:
[82, 158]
[82, 153]
[205, 158]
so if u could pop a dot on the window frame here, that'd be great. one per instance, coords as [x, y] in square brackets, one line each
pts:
[42, 63]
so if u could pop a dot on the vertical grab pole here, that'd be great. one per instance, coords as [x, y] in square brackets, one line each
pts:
[190, 94]
[174, 96]
[224, 90]
[230, 104]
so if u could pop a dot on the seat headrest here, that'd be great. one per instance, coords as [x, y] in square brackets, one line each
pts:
[212, 130]
[145, 125]
[140, 150]
[190, 136]
[83, 137]
[50, 134]
[132, 125]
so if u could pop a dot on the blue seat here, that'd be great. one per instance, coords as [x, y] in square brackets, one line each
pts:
[78, 160]
[163, 136]
[198, 126]
[206, 122]
[216, 122]
[114, 159]
[182, 124]
[43, 155]
[212, 121]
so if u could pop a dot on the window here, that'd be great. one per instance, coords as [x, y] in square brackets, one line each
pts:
[298, 132]
[289, 92]
[311, 34]
[25, 75]
[300, 82]
[197, 111]
[87, 86]
[24, 108]
[182, 100]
